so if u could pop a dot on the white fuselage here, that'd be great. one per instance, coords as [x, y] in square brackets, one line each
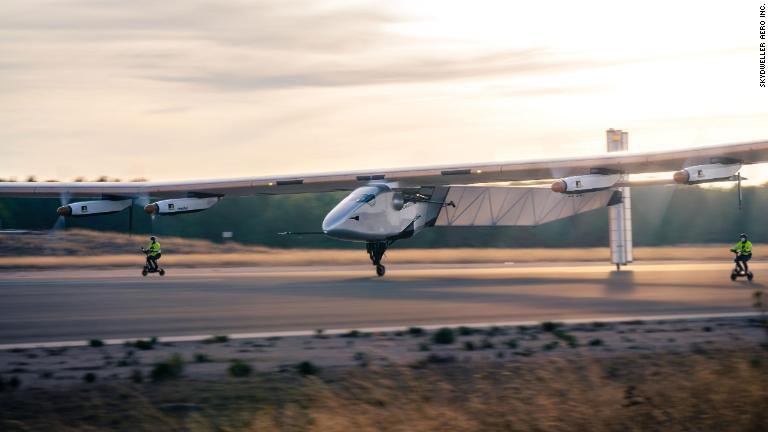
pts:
[373, 213]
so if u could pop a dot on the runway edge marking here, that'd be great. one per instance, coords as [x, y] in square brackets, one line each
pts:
[295, 333]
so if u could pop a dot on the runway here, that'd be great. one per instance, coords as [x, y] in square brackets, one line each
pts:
[65, 305]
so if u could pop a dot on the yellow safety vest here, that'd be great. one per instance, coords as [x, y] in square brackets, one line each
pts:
[154, 248]
[744, 247]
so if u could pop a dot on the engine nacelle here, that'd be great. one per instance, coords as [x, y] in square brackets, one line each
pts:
[598, 179]
[180, 205]
[89, 208]
[707, 173]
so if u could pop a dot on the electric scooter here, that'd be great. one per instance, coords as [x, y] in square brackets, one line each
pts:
[147, 269]
[737, 272]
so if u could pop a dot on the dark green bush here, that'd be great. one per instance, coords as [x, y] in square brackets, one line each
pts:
[551, 345]
[89, 377]
[444, 336]
[172, 367]
[567, 338]
[216, 339]
[494, 331]
[137, 376]
[307, 368]
[416, 331]
[96, 343]
[144, 344]
[201, 358]
[512, 343]
[440, 358]
[549, 326]
[469, 346]
[14, 383]
[596, 342]
[239, 369]
[487, 344]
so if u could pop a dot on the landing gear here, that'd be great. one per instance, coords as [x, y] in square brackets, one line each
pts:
[376, 253]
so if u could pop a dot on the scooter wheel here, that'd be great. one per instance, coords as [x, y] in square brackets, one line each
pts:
[144, 272]
[734, 275]
[162, 272]
[750, 276]
[380, 270]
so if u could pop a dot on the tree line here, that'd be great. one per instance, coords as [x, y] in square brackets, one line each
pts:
[662, 215]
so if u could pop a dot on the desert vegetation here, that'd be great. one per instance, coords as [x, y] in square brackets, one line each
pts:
[723, 390]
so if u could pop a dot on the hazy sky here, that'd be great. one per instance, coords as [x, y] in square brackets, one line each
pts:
[192, 89]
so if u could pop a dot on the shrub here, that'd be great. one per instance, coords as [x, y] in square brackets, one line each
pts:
[416, 331]
[307, 368]
[469, 346]
[565, 337]
[96, 343]
[551, 345]
[494, 331]
[444, 336]
[549, 326]
[486, 344]
[512, 343]
[239, 369]
[363, 358]
[201, 358]
[143, 344]
[466, 331]
[352, 334]
[216, 339]
[596, 342]
[634, 322]
[137, 376]
[14, 383]
[172, 367]
[424, 347]
[438, 358]
[89, 377]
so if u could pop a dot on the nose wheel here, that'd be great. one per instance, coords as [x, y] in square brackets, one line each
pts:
[376, 253]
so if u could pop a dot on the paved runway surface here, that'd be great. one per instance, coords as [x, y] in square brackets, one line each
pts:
[82, 304]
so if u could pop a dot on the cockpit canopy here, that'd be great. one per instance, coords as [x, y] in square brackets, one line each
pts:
[365, 195]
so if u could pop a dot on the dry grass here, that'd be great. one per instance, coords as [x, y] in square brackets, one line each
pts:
[76, 248]
[717, 390]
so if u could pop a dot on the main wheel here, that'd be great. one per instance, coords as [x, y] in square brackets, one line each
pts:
[750, 276]
[733, 275]
[162, 272]
[380, 270]
[144, 272]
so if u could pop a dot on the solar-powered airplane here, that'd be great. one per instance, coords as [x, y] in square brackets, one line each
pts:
[394, 204]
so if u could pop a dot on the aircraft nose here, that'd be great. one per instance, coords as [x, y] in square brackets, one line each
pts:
[331, 224]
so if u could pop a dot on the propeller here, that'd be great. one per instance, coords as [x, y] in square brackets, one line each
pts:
[61, 221]
[141, 200]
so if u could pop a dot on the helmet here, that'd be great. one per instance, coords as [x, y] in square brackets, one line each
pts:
[743, 236]
[153, 238]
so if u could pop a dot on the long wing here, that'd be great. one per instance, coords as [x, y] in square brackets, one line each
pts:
[629, 162]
